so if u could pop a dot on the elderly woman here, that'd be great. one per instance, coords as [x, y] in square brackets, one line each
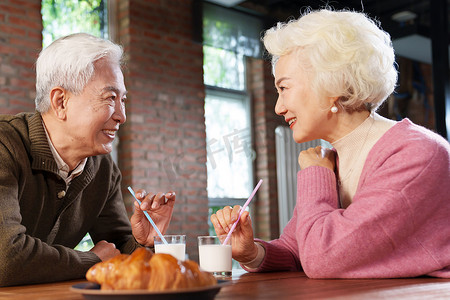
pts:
[378, 204]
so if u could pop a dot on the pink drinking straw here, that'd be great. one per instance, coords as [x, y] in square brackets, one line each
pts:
[242, 210]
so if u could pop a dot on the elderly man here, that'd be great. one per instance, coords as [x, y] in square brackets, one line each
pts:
[57, 179]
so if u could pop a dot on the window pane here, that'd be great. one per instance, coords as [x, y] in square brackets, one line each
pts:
[231, 30]
[223, 68]
[229, 152]
[62, 17]
[86, 244]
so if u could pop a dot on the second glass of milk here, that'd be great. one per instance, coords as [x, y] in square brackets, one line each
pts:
[215, 257]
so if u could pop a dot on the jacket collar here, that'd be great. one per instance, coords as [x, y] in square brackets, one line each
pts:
[42, 157]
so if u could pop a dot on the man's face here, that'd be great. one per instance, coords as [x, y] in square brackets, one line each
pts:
[94, 116]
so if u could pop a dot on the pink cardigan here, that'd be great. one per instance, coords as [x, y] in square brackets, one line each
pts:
[398, 224]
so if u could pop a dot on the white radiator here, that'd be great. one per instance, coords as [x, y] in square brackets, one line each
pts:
[287, 151]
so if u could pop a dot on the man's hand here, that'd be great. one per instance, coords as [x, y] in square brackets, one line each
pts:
[160, 207]
[105, 250]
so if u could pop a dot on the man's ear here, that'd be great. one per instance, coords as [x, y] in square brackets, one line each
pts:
[58, 102]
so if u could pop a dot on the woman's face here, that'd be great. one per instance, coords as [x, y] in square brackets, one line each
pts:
[306, 113]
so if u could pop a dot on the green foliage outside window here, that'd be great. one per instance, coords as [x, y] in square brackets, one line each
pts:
[62, 17]
[86, 244]
[223, 68]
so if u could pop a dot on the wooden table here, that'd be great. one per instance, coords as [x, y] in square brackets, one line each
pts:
[279, 285]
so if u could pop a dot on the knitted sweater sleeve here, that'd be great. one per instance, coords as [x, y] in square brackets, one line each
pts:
[38, 231]
[112, 224]
[25, 259]
[283, 254]
[396, 226]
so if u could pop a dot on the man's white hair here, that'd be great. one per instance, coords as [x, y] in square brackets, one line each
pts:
[69, 63]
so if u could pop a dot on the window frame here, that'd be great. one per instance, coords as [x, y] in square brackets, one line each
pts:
[244, 97]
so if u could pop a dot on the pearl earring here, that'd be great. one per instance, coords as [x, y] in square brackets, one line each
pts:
[334, 109]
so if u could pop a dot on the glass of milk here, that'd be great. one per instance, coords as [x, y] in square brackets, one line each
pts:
[176, 245]
[213, 256]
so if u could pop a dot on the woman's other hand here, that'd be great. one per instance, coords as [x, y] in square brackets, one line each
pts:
[317, 156]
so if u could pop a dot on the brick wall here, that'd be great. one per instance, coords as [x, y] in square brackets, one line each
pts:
[265, 121]
[20, 43]
[163, 143]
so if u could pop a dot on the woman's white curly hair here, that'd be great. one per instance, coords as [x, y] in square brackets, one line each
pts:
[347, 54]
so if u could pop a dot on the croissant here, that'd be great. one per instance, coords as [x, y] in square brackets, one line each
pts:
[145, 270]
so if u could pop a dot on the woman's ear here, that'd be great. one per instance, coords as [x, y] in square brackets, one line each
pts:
[333, 101]
[58, 102]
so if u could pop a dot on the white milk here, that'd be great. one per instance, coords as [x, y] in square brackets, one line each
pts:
[215, 258]
[177, 250]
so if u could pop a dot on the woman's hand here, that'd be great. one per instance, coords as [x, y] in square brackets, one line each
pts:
[160, 207]
[243, 247]
[317, 156]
